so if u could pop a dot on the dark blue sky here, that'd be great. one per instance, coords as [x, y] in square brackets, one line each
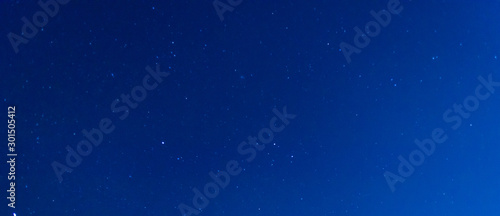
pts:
[229, 81]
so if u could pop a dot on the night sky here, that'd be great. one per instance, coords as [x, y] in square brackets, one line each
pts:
[238, 107]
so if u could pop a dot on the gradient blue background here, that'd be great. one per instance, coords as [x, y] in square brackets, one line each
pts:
[353, 120]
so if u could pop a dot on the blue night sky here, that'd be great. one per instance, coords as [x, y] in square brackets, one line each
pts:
[251, 108]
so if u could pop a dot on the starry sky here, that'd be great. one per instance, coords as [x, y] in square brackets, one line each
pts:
[236, 107]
